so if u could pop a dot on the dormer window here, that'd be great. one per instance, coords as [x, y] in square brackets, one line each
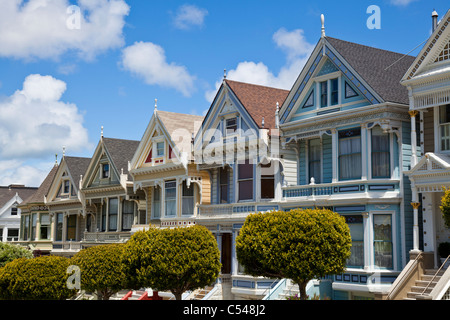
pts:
[329, 92]
[66, 187]
[160, 149]
[230, 126]
[105, 170]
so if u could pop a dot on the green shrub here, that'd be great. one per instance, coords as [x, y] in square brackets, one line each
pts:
[175, 260]
[101, 269]
[300, 245]
[42, 278]
[9, 252]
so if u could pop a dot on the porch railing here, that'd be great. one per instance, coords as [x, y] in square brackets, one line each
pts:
[106, 236]
[228, 209]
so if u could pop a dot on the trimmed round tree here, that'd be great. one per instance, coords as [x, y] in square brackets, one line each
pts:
[101, 269]
[299, 245]
[9, 252]
[174, 260]
[42, 278]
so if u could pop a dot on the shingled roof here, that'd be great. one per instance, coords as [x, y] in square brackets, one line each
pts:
[42, 191]
[381, 69]
[173, 121]
[259, 101]
[8, 192]
[121, 151]
[77, 167]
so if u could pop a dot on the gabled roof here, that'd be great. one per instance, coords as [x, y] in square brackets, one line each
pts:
[173, 121]
[42, 191]
[77, 166]
[121, 151]
[8, 192]
[259, 101]
[381, 69]
[429, 51]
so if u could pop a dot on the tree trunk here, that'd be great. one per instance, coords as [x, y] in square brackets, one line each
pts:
[177, 294]
[302, 289]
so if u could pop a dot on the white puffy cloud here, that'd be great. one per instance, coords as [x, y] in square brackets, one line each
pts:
[47, 29]
[188, 16]
[148, 60]
[297, 50]
[35, 123]
[17, 172]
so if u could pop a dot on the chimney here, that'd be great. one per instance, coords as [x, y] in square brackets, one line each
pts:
[434, 19]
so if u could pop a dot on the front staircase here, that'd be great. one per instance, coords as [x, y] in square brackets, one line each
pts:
[425, 285]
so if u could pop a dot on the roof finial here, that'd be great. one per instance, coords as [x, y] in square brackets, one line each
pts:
[322, 19]
[156, 104]
[224, 74]
[64, 151]
[262, 123]
[101, 132]
[56, 159]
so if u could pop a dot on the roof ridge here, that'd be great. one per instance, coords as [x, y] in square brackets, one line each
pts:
[257, 85]
[370, 47]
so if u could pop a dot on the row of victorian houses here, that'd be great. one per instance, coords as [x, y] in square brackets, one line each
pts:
[363, 131]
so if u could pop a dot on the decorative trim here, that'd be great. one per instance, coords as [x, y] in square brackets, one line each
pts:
[415, 205]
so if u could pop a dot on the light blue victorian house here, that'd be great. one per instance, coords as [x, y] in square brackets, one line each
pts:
[341, 139]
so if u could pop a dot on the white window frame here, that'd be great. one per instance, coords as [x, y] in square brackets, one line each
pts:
[328, 77]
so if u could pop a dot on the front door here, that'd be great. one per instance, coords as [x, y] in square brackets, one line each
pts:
[226, 253]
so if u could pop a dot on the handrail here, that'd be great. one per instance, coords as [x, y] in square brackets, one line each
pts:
[129, 294]
[270, 287]
[405, 271]
[435, 275]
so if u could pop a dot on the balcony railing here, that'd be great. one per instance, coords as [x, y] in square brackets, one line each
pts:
[346, 187]
[235, 209]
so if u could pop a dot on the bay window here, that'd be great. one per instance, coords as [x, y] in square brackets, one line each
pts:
[381, 160]
[33, 226]
[187, 202]
[59, 226]
[156, 202]
[267, 181]
[44, 233]
[127, 214]
[245, 180]
[350, 166]
[113, 210]
[314, 155]
[170, 198]
[224, 179]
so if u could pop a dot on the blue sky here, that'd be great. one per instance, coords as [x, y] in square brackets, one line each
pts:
[65, 73]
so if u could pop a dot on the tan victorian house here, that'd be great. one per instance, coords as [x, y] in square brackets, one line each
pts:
[163, 168]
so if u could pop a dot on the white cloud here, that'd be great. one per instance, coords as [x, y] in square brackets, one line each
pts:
[35, 123]
[188, 16]
[148, 60]
[47, 29]
[297, 50]
[17, 172]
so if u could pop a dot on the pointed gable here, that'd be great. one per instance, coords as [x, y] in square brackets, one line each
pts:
[434, 52]
[371, 73]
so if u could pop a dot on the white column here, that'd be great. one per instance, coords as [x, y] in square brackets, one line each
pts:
[415, 204]
[428, 222]
[367, 242]
[413, 114]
